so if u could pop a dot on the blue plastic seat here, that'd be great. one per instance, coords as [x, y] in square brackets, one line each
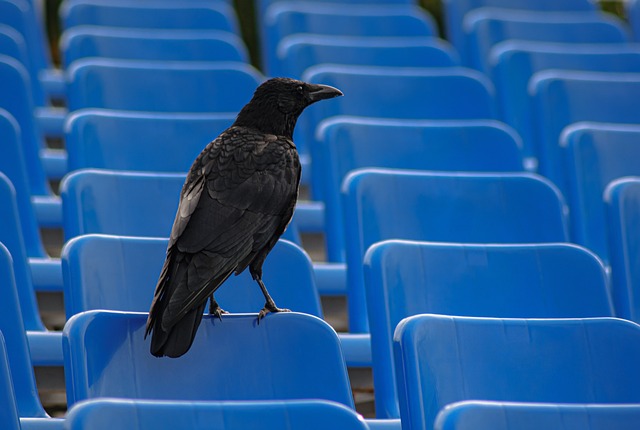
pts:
[299, 51]
[530, 416]
[454, 12]
[287, 356]
[388, 92]
[151, 44]
[561, 98]
[384, 204]
[404, 278]
[487, 27]
[514, 63]
[632, 10]
[595, 155]
[285, 18]
[348, 143]
[622, 199]
[139, 141]
[8, 407]
[446, 359]
[13, 329]
[120, 414]
[160, 14]
[160, 86]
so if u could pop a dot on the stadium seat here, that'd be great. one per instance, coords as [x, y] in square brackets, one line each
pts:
[120, 414]
[487, 27]
[454, 12]
[149, 44]
[445, 359]
[347, 143]
[561, 98]
[287, 356]
[11, 326]
[8, 407]
[404, 278]
[595, 155]
[285, 18]
[299, 51]
[160, 14]
[529, 416]
[514, 62]
[622, 199]
[382, 204]
[632, 10]
[160, 86]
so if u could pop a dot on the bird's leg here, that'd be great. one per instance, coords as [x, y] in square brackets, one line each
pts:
[270, 305]
[215, 309]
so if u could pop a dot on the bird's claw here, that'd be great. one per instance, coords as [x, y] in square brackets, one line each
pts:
[217, 312]
[268, 309]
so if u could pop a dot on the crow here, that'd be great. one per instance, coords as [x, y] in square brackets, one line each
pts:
[237, 200]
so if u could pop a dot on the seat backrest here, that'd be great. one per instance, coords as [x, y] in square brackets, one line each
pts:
[528, 416]
[595, 155]
[384, 204]
[120, 414]
[514, 62]
[8, 407]
[285, 18]
[160, 86]
[445, 359]
[632, 10]
[140, 141]
[13, 44]
[561, 98]
[287, 356]
[13, 329]
[622, 200]
[299, 51]
[149, 44]
[11, 237]
[386, 92]
[454, 12]
[487, 27]
[120, 273]
[159, 14]
[405, 278]
[348, 143]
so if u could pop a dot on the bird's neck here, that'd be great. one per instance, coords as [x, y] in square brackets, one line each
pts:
[267, 122]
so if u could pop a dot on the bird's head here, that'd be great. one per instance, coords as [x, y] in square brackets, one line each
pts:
[277, 103]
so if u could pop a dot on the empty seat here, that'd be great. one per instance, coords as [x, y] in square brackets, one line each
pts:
[384, 204]
[119, 414]
[622, 199]
[347, 143]
[8, 407]
[632, 10]
[445, 359]
[528, 416]
[144, 44]
[404, 278]
[595, 155]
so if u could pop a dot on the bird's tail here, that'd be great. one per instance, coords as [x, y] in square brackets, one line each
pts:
[178, 339]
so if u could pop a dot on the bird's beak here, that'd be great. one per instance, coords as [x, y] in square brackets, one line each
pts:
[322, 92]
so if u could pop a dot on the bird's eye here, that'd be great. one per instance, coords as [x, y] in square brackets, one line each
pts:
[299, 89]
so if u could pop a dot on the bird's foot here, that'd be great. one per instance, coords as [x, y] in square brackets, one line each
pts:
[268, 308]
[217, 311]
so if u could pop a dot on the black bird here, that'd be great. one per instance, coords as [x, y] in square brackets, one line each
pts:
[237, 200]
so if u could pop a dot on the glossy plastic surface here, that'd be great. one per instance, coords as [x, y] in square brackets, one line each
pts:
[487, 27]
[533, 416]
[596, 154]
[514, 62]
[561, 98]
[139, 141]
[299, 51]
[8, 407]
[622, 200]
[213, 15]
[151, 44]
[287, 356]
[160, 86]
[444, 359]
[120, 273]
[118, 414]
[285, 18]
[514, 281]
[385, 204]
[348, 143]
[632, 10]
[454, 12]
